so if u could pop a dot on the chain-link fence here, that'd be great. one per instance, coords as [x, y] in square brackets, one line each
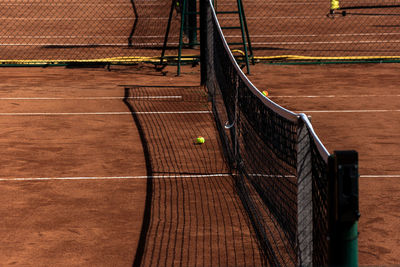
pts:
[354, 29]
[134, 30]
[81, 30]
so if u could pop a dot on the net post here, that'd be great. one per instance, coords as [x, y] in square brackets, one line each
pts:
[304, 196]
[343, 208]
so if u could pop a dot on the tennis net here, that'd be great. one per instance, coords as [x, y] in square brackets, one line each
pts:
[278, 162]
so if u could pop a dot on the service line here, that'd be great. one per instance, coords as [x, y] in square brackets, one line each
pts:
[91, 98]
[149, 177]
[350, 111]
[329, 96]
[117, 177]
[104, 113]
[381, 176]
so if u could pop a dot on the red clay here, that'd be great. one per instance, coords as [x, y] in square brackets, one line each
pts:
[98, 222]
[375, 135]
[61, 221]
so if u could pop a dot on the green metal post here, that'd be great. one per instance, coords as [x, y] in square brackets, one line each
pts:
[205, 14]
[167, 32]
[181, 38]
[343, 209]
[192, 23]
[247, 35]
[344, 245]
[350, 244]
[240, 9]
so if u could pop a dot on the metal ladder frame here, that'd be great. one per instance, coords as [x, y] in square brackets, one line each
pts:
[248, 51]
[190, 27]
[246, 42]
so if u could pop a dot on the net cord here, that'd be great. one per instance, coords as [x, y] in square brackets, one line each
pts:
[287, 114]
[321, 148]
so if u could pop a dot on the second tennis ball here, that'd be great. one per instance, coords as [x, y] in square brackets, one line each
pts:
[265, 93]
[200, 140]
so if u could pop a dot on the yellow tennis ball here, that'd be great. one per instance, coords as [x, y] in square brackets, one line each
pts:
[200, 140]
[265, 93]
[334, 4]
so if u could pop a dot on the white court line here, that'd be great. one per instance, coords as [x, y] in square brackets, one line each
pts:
[327, 42]
[104, 113]
[91, 98]
[279, 17]
[157, 36]
[67, 44]
[151, 177]
[78, 45]
[292, 176]
[75, 36]
[118, 177]
[329, 96]
[71, 19]
[22, 3]
[380, 176]
[256, 2]
[83, 19]
[348, 111]
[148, 44]
[318, 35]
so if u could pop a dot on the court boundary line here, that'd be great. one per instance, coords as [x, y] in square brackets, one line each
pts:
[91, 98]
[380, 176]
[180, 97]
[350, 111]
[103, 113]
[139, 177]
[228, 36]
[61, 45]
[328, 42]
[329, 96]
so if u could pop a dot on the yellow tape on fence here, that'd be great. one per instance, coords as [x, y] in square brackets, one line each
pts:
[111, 60]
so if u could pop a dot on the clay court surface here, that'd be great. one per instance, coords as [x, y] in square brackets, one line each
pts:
[73, 169]
[99, 167]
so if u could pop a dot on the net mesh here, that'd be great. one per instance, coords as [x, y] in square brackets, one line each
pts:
[320, 207]
[193, 216]
[279, 163]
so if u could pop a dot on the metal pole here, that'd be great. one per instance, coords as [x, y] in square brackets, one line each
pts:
[349, 238]
[344, 208]
[240, 9]
[192, 23]
[167, 32]
[181, 37]
[203, 43]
